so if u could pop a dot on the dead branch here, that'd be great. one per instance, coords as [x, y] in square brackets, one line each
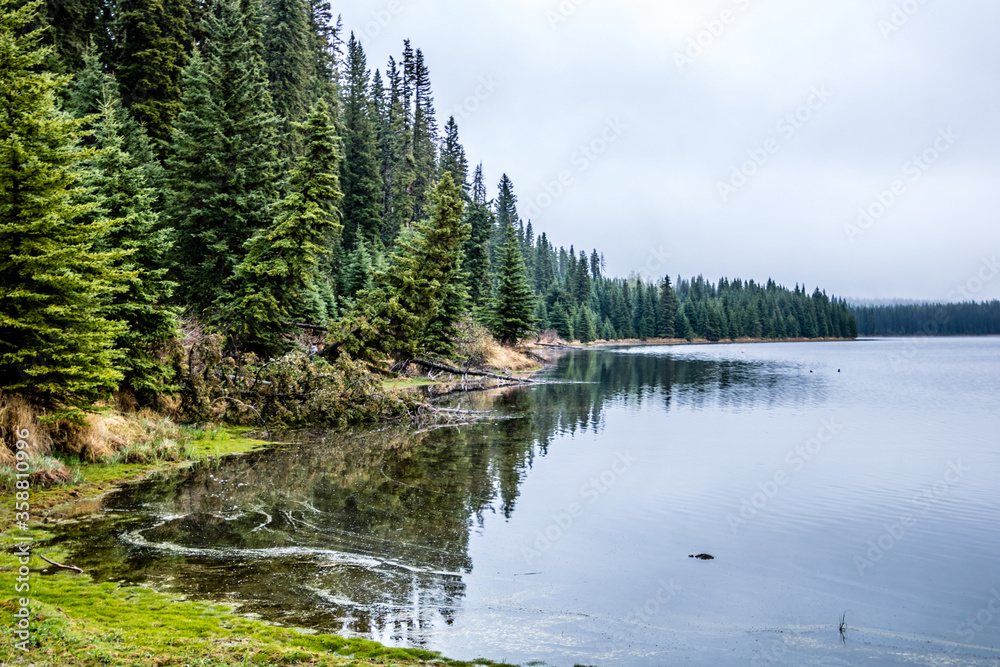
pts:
[458, 371]
[65, 567]
[249, 407]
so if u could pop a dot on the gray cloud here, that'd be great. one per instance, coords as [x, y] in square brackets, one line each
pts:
[564, 70]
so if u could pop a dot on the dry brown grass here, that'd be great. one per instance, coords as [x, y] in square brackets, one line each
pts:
[508, 359]
[110, 437]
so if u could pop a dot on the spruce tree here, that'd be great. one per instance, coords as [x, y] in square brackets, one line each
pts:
[562, 321]
[406, 313]
[399, 167]
[56, 343]
[360, 178]
[223, 169]
[512, 313]
[152, 42]
[283, 272]
[360, 272]
[453, 157]
[323, 53]
[288, 52]
[425, 132]
[477, 249]
[506, 216]
[123, 199]
[667, 315]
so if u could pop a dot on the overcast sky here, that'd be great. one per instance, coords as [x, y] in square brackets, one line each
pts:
[734, 138]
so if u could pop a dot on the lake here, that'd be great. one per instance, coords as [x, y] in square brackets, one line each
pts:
[843, 480]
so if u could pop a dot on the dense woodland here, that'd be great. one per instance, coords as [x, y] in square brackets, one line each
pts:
[929, 319]
[236, 167]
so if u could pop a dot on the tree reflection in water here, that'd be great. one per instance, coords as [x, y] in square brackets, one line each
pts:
[367, 532]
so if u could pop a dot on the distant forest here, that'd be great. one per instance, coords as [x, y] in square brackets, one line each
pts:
[929, 319]
[234, 168]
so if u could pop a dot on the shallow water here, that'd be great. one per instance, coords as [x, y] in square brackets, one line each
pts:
[826, 478]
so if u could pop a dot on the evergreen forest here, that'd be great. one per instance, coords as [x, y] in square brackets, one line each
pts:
[239, 169]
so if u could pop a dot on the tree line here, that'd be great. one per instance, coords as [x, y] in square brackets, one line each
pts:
[235, 165]
[968, 318]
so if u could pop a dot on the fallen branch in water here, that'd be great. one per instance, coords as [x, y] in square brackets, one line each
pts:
[567, 347]
[458, 371]
[65, 567]
[249, 407]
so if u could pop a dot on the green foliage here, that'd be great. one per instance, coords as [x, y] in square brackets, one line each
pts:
[152, 41]
[562, 322]
[361, 179]
[56, 343]
[288, 44]
[123, 200]
[412, 308]
[476, 264]
[282, 273]
[511, 316]
[223, 169]
[453, 157]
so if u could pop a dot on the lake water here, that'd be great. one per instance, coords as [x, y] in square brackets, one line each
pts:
[858, 478]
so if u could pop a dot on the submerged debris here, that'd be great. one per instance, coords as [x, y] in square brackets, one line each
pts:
[702, 556]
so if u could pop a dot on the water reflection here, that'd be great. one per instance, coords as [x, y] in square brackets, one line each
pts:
[368, 533]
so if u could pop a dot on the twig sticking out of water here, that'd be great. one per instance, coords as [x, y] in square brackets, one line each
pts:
[65, 567]
[843, 627]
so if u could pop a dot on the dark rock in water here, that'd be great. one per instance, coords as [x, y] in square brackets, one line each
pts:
[702, 556]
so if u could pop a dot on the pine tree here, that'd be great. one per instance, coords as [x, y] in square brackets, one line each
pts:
[56, 345]
[288, 52]
[223, 167]
[123, 199]
[394, 319]
[585, 328]
[562, 322]
[73, 26]
[323, 53]
[399, 167]
[477, 249]
[512, 313]
[667, 315]
[425, 134]
[506, 216]
[283, 271]
[453, 157]
[360, 176]
[451, 234]
[360, 273]
[153, 39]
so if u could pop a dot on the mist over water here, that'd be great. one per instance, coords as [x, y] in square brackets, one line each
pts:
[824, 478]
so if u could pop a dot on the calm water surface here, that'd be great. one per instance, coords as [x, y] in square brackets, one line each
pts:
[825, 478]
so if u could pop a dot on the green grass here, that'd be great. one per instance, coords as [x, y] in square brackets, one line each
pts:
[78, 622]
[96, 478]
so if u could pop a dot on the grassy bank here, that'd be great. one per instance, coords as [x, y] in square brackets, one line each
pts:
[75, 621]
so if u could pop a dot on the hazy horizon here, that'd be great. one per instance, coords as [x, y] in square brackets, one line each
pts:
[828, 110]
